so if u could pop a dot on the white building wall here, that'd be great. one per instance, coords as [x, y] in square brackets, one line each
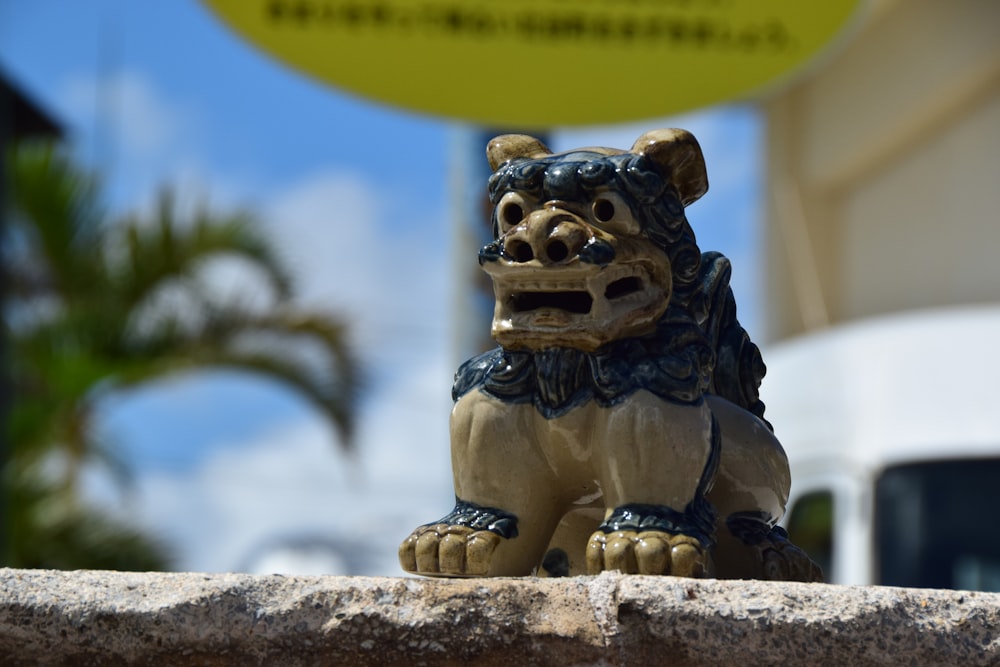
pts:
[883, 169]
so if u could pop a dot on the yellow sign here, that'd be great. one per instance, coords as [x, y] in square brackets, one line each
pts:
[539, 63]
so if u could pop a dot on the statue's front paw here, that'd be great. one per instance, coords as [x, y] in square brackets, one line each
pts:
[646, 552]
[448, 550]
[460, 544]
[654, 539]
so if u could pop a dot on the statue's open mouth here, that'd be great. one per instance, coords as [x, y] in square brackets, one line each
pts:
[573, 301]
[580, 306]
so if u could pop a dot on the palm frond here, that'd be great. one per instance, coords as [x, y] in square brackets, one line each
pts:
[97, 308]
[57, 205]
[307, 352]
[170, 249]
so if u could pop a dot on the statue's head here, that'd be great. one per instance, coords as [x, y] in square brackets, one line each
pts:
[589, 244]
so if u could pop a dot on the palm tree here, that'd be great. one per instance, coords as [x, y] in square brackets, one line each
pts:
[95, 307]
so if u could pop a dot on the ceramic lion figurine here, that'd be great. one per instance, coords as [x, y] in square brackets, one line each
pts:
[618, 425]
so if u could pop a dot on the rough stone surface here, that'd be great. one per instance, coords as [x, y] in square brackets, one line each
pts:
[198, 619]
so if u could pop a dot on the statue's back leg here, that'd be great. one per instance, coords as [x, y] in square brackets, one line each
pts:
[750, 492]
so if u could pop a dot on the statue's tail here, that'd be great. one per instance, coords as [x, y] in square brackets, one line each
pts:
[739, 367]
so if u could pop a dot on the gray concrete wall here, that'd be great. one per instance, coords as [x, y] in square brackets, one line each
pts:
[226, 619]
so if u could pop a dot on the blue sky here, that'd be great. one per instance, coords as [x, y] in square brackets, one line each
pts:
[357, 197]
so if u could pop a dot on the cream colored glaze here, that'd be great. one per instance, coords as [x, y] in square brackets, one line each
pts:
[644, 450]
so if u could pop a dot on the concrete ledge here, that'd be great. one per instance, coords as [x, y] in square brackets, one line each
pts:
[118, 618]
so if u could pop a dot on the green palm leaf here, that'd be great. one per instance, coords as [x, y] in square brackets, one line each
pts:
[96, 307]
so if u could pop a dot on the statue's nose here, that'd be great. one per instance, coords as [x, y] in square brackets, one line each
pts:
[551, 237]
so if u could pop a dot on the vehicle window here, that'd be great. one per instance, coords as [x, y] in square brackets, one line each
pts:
[810, 527]
[935, 525]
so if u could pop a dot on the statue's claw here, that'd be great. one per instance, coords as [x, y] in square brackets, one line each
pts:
[447, 550]
[646, 552]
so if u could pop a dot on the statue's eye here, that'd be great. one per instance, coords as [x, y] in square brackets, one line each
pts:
[512, 208]
[604, 210]
[512, 213]
[610, 211]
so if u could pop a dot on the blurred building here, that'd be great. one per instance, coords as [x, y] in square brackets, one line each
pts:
[883, 296]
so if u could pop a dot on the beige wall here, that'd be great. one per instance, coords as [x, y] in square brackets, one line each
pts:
[884, 170]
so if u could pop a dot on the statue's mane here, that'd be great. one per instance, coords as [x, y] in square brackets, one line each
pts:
[698, 345]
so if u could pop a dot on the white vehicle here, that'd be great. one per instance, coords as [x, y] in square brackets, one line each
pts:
[892, 429]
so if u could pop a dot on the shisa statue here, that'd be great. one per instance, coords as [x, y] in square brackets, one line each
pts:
[618, 424]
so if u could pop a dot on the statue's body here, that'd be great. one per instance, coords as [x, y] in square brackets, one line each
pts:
[618, 424]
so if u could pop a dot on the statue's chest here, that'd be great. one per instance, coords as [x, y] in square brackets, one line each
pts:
[570, 438]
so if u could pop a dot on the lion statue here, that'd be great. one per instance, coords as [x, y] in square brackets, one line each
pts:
[618, 425]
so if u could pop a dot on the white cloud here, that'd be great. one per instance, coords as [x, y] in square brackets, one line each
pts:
[392, 281]
[327, 226]
[128, 113]
[292, 483]
[140, 140]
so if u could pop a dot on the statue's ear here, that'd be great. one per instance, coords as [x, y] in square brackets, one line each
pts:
[679, 156]
[509, 146]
